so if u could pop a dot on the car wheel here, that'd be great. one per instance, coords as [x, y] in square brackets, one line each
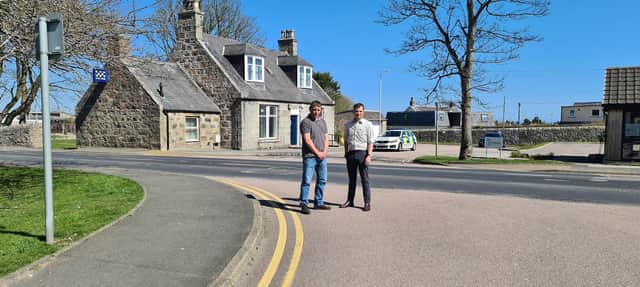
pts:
[413, 148]
[399, 148]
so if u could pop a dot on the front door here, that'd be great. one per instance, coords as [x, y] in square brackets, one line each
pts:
[294, 130]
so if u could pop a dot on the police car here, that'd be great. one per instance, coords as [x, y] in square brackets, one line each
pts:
[395, 140]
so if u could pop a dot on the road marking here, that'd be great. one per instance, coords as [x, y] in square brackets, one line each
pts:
[282, 235]
[297, 247]
[555, 179]
[599, 179]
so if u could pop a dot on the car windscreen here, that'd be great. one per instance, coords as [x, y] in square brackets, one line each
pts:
[392, 134]
[493, 135]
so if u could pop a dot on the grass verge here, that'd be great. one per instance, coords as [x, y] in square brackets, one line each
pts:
[83, 202]
[63, 143]
[529, 146]
[439, 143]
[446, 160]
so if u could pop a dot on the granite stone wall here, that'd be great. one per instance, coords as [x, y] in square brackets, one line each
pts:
[28, 135]
[190, 54]
[118, 114]
[209, 131]
[523, 135]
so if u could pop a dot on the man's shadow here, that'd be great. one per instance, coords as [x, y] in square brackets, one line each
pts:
[295, 207]
[311, 201]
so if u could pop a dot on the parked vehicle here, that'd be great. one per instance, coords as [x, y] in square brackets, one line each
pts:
[490, 135]
[396, 140]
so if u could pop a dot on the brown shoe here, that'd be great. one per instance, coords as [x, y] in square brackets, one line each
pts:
[322, 207]
[347, 204]
[367, 207]
[304, 209]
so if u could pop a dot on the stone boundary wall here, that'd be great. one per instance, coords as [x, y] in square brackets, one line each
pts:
[21, 135]
[522, 135]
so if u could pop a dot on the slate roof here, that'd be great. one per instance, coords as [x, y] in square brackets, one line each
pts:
[179, 93]
[277, 86]
[420, 109]
[423, 118]
[622, 86]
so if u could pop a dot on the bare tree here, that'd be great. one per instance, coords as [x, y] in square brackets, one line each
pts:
[463, 37]
[88, 24]
[221, 17]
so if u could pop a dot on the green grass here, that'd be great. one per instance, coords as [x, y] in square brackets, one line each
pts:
[83, 202]
[63, 143]
[439, 142]
[530, 146]
[446, 160]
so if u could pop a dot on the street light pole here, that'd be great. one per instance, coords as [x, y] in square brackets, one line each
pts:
[380, 101]
[436, 129]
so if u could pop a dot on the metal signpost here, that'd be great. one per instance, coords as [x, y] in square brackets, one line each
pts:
[493, 142]
[50, 44]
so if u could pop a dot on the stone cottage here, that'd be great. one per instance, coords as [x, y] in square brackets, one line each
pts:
[262, 94]
[147, 104]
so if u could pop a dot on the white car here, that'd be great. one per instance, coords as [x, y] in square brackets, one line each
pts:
[395, 140]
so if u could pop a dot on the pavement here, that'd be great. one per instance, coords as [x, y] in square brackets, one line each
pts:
[185, 233]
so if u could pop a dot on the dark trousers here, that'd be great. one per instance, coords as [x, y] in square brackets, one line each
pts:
[355, 163]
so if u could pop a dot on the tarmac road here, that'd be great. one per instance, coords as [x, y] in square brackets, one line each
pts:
[434, 226]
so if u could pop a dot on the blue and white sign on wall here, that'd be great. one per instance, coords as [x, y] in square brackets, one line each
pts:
[100, 76]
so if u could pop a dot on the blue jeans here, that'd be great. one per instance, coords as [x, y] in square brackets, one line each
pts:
[309, 164]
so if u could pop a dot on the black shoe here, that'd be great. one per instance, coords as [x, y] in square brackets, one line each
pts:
[367, 207]
[322, 207]
[347, 204]
[304, 209]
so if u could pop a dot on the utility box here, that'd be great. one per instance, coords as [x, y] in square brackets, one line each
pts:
[55, 37]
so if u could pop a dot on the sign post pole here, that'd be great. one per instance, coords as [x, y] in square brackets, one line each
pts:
[46, 129]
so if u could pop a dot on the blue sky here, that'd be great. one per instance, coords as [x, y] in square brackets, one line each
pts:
[581, 39]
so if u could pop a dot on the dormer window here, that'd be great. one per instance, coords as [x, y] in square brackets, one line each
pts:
[254, 69]
[304, 77]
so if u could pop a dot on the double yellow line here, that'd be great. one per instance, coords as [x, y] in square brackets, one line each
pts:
[272, 268]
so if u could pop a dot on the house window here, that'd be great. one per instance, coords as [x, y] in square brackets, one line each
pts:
[632, 124]
[192, 129]
[572, 113]
[595, 113]
[304, 77]
[484, 117]
[254, 69]
[268, 121]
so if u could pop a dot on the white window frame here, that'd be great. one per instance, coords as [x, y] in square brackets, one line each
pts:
[266, 127]
[595, 110]
[572, 113]
[250, 65]
[188, 128]
[305, 77]
[484, 118]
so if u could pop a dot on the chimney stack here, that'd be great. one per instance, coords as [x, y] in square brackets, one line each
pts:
[190, 21]
[119, 46]
[288, 43]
